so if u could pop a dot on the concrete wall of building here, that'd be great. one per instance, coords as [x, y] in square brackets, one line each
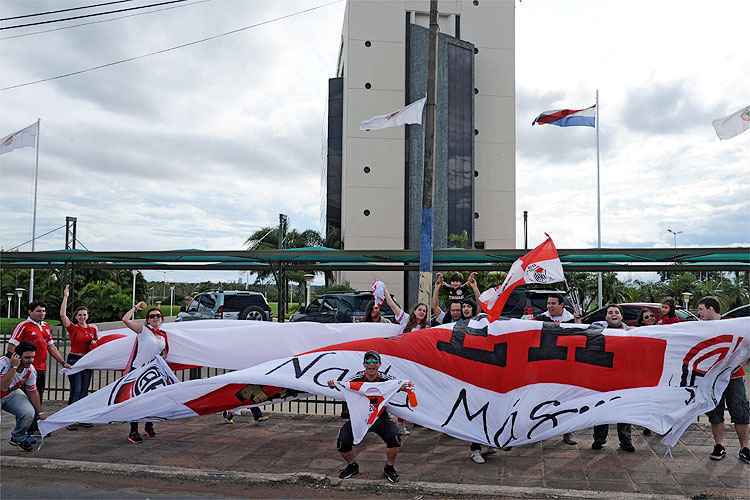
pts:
[490, 26]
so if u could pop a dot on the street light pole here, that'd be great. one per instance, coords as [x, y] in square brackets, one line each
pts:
[674, 233]
[135, 273]
[19, 293]
[10, 300]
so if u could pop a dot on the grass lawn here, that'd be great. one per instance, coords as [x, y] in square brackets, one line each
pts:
[8, 324]
[291, 309]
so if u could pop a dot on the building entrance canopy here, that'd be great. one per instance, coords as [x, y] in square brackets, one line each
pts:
[325, 259]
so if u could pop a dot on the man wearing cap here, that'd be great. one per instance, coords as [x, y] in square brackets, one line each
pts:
[383, 426]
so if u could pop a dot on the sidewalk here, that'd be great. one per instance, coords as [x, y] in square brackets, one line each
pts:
[306, 444]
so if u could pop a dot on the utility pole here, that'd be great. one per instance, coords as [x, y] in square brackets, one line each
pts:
[425, 247]
[282, 285]
[71, 225]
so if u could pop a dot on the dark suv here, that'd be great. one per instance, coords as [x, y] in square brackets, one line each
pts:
[342, 307]
[227, 304]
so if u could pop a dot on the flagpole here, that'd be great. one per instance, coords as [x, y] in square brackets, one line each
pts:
[33, 220]
[598, 204]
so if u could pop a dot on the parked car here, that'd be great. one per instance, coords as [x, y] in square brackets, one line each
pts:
[227, 304]
[737, 312]
[631, 310]
[341, 307]
[523, 302]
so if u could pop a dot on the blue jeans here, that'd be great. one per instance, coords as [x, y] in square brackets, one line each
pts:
[79, 382]
[19, 405]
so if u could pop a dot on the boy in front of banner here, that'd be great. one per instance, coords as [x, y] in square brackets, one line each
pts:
[734, 397]
[613, 320]
[383, 426]
[16, 372]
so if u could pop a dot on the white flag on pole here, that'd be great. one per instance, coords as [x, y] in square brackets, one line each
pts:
[411, 114]
[24, 138]
[733, 125]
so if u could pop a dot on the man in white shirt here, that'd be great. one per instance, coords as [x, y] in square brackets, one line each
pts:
[17, 372]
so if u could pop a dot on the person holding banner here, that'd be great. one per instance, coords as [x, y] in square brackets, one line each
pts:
[613, 320]
[383, 426]
[17, 372]
[416, 320]
[734, 397]
[83, 337]
[152, 342]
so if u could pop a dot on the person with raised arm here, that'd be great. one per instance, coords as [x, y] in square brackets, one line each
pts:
[152, 342]
[83, 337]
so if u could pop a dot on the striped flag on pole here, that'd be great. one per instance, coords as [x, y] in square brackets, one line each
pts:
[568, 117]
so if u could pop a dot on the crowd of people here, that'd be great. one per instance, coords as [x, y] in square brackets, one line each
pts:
[23, 369]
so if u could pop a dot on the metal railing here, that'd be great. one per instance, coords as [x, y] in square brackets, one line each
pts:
[58, 384]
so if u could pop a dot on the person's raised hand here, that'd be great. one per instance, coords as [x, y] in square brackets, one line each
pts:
[15, 360]
[66, 291]
[140, 306]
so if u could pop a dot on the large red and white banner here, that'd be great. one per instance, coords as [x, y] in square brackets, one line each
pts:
[504, 383]
[228, 344]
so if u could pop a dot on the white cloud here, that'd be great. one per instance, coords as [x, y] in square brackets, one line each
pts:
[199, 147]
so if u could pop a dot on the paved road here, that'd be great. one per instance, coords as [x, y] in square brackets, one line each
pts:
[287, 444]
[26, 484]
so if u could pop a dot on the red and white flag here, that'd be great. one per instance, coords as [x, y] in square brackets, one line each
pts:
[366, 402]
[541, 265]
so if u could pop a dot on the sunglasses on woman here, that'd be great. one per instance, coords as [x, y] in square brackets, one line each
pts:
[154, 316]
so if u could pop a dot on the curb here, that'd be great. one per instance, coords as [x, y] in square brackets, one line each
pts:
[321, 481]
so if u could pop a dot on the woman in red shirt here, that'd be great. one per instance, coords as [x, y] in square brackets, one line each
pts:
[83, 337]
[668, 315]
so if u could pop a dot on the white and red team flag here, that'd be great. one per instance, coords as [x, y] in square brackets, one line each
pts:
[541, 265]
[24, 138]
[408, 115]
[506, 383]
[366, 402]
[732, 125]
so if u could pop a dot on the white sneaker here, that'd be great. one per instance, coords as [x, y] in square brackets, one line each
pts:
[476, 457]
[405, 431]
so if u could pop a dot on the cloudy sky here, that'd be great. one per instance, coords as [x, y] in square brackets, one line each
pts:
[199, 147]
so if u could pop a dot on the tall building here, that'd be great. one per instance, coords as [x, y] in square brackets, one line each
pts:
[373, 180]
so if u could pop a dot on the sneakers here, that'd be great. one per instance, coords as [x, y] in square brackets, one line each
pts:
[719, 452]
[744, 455]
[261, 419]
[228, 416]
[390, 473]
[135, 438]
[476, 457]
[598, 445]
[350, 470]
[627, 447]
[24, 444]
[568, 439]
[149, 428]
[404, 430]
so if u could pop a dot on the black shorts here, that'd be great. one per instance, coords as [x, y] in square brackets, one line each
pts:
[383, 427]
[735, 400]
